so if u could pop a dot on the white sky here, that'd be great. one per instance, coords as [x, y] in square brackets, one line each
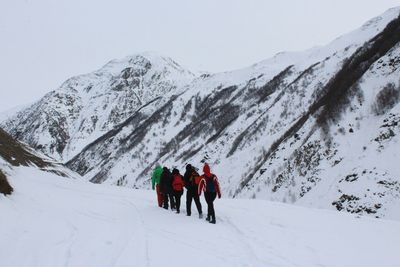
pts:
[44, 42]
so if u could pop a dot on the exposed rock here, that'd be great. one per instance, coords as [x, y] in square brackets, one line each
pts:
[5, 187]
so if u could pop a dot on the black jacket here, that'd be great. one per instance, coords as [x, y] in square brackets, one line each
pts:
[189, 185]
[166, 181]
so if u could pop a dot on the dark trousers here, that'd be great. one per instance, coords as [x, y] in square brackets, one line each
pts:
[191, 194]
[169, 196]
[177, 199]
[210, 197]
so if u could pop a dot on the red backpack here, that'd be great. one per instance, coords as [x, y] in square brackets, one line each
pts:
[195, 178]
[177, 182]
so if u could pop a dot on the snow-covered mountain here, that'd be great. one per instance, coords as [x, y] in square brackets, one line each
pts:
[87, 106]
[317, 128]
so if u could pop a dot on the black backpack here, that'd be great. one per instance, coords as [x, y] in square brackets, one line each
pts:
[210, 185]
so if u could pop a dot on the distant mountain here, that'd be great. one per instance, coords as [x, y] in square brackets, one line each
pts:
[317, 128]
[87, 106]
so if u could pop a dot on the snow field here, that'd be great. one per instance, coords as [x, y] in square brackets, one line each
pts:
[52, 221]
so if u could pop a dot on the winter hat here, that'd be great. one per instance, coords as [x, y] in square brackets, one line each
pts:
[188, 167]
[175, 171]
[206, 170]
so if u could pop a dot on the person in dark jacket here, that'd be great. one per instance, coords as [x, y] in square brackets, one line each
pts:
[210, 186]
[166, 188]
[177, 187]
[191, 179]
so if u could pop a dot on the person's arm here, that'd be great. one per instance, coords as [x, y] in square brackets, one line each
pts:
[201, 186]
[217, 186]
[182, 181]
[153, 180]
[186, 180]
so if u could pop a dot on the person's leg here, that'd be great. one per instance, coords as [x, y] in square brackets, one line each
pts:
[172, 200]
[207, 197]
[165, 198]
[173, 197]
[189, 196]
[212, 211]
[159, 196]
[178, 201]
[198, 204]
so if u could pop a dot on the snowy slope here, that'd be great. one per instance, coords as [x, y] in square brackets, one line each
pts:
[346, 156]
[352, 166]
[62, 222]
[87, 106]
[14, 153]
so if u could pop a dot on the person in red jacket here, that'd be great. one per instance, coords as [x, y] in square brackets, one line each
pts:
[210, 186]
[177, 188]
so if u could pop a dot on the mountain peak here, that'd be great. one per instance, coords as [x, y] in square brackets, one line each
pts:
[86, 106]
[145, 60]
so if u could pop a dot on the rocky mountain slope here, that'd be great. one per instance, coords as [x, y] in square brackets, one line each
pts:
[14, 154]
[87, 106]
[316, 128]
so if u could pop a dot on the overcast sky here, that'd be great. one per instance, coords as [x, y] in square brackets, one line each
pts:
[44, 42]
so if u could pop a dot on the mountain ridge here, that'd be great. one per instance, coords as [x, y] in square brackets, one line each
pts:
[85, 106]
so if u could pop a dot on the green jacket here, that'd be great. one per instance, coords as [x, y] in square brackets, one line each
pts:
[155, 178]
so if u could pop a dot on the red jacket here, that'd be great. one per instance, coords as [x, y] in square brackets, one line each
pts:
[177, 183]
[203, 181]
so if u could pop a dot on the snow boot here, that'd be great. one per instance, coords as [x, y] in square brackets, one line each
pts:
[208, 218]
[212, 220]
[201, 216]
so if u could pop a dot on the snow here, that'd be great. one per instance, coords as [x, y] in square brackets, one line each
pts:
[53, 221]
[6, 114]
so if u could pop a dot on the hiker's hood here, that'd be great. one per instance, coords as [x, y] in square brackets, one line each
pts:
[206, 170]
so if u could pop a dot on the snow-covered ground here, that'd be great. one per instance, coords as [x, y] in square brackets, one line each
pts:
[51, 221]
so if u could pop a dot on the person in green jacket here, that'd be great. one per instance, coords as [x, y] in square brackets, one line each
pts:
[155, 184]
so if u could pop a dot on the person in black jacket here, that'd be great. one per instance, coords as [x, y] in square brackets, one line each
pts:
[166, 188]
[191, 179]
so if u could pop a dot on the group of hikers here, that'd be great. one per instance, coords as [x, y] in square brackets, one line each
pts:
[169, 187]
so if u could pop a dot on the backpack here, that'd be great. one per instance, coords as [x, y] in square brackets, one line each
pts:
[177, 183]
[210, 185]
[194, 178]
